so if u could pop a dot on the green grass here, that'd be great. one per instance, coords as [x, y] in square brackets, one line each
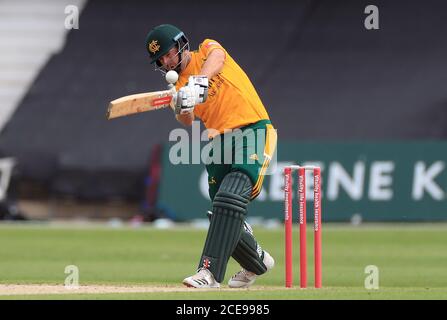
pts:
[412, 260]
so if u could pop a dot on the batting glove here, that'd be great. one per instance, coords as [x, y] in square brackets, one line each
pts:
[185, 101]
[199, 87]
[195, 92]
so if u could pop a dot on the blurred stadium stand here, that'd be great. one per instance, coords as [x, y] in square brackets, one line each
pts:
[320, 73]
[30, 33]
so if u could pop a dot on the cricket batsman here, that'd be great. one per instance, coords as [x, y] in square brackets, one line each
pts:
[213, 87]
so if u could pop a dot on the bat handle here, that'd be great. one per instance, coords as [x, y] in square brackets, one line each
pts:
[174, 96]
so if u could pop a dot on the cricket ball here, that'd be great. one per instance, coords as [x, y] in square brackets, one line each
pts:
[171, 77]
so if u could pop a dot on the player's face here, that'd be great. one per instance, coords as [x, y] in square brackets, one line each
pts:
[170, 60]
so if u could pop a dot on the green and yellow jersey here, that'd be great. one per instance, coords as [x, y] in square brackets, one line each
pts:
[228, 106]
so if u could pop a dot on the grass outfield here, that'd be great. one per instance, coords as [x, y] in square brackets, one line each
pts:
[412, 261]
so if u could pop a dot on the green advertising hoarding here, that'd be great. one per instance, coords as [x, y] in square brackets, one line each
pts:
[386, 181]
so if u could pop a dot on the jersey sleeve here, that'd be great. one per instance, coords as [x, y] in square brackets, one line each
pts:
[209, 45]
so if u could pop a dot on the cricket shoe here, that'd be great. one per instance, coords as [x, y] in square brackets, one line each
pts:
[245, 278]
[202, 279]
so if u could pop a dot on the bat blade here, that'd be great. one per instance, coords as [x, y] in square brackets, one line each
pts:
[140, 102]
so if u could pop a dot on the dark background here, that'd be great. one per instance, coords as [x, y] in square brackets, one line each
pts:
[321, 75]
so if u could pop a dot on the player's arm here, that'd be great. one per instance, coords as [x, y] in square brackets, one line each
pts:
[194, 93]
[212, 66]
[214, 63]
[184, 105]
[186, 119]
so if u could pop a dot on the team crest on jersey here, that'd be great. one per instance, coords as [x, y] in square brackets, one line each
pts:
[154, 46]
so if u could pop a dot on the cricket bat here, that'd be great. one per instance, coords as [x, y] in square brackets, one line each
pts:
[141, 102]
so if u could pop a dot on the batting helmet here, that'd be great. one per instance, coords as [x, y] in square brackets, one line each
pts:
[162, 38]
